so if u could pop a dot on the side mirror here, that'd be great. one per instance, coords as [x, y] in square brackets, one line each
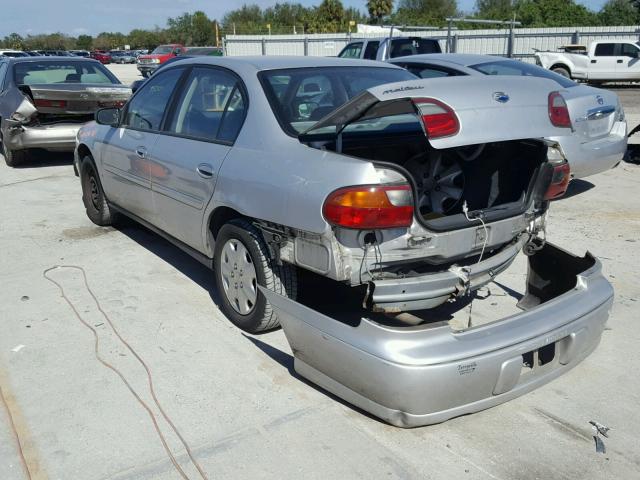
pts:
[136, 85]
[108, 116]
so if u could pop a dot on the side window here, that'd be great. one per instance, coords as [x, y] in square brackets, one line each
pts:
[628, 50]
[3, 72]
[146, 109]
[211, 106]
[352, 50]
[371, 50]
[178, 51]
[605, 49]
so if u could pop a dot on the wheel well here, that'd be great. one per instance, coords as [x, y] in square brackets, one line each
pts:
[560, 65]
[219, 217]
[83, 151]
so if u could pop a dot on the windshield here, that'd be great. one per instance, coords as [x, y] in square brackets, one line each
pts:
[300, 97]
[514, 67]
[162, 49]
[63, 71]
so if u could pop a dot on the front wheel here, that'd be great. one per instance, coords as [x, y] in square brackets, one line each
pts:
[93, 197]
[13, 157]
[145, 74]
[242, 262]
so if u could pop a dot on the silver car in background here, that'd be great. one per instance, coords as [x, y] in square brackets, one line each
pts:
[45, 100]
[404, 194]
[599, 130]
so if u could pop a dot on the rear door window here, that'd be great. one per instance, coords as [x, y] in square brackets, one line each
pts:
[352, 50]
[628, 50]
[146, 109]
[605, 50]
[211, 106]
[371, 51]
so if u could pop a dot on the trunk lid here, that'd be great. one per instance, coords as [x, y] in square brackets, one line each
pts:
[489, 109]
[593, 111]
[76, 98]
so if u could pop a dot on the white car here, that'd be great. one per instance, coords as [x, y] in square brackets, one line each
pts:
[597, 138]
[604, 61]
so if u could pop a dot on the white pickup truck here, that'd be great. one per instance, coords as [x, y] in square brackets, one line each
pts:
[605, 60]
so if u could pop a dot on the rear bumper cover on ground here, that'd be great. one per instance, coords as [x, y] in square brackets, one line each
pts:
[59, 136]
[413, 376]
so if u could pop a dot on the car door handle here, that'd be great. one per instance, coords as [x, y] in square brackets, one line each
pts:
[205, 170]
[593, 61]
[619, 61]
[141, 152]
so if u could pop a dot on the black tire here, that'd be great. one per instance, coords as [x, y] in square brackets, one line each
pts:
[145, 74]
[13, 157]
[561, 71]
[281, 279]
[93, 197]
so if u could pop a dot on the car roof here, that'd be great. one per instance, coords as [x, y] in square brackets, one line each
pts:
[50, 59]
[462, 59]
[276, 62]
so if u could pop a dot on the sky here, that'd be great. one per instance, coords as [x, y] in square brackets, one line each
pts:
[77, 17]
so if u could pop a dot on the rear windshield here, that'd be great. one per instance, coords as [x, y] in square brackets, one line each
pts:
[401, 47]
[63, 71]
[300, 97]
[162, 49]
[514, 67]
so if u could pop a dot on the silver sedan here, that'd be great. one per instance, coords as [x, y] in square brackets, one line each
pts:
[403, 194]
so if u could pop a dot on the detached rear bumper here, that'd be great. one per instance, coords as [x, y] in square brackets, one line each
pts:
[412, 376]
[59, 137]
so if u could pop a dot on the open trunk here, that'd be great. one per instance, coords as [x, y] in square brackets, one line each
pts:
[491, 162]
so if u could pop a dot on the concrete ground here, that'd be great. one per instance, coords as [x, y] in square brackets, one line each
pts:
[233, 397]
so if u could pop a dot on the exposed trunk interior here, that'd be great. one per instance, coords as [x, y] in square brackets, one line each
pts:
[495, 178]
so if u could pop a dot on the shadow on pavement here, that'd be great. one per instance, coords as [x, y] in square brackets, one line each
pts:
[43, 158]
[576, 187]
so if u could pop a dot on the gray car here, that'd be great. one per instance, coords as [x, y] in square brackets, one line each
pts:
[404, 194]
[45, 100]
[599, 139]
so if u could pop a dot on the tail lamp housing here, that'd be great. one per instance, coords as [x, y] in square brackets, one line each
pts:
[559, 181]
[438, 118]
[558, 111]
[366, 207]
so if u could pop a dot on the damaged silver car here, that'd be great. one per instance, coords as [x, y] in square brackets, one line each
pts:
[45, 100]
[409, 193]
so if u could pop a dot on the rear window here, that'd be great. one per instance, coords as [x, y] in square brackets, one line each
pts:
[605, 49]
[516, 68]
[300, 97]
[64, 71]
[401, 47]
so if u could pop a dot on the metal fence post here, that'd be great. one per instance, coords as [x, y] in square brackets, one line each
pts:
[306, 46]
[511, 40]
[264, 46]
[454, 43]
[576, 37]
[449, 36]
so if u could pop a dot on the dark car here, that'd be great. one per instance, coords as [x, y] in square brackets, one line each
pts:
[204, 51]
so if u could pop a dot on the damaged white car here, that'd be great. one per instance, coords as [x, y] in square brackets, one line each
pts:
[410, 192]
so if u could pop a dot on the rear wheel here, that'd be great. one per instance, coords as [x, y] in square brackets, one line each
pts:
[93, 197]
[561, 71]
[242, 262]
[13, 157]
[145, 74]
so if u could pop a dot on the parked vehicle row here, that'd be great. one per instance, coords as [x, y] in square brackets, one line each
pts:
[408, 192]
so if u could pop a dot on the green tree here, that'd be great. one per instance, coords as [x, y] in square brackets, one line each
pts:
[554, 13]
[244, 20]
[13, 41]
[619, 12]
[84, 42]
[495, 9]
[378, 9]
[425, 12]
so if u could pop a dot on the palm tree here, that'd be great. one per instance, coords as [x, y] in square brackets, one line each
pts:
[379, 8]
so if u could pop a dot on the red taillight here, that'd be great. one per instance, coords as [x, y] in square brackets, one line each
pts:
[559, 182]
[370, 206]
[43, 102]
[439, 119]
[558, 111]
